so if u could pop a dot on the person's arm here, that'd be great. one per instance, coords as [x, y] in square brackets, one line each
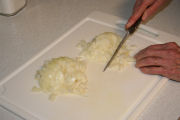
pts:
[160, 59]
[146, 8]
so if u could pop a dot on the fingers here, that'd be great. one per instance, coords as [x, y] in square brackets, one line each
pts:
[151, 61]
[158, 50]
[152, 9]
[136, 6]
[153, 70]
[139, 8]
[146, 8]
[151, 53]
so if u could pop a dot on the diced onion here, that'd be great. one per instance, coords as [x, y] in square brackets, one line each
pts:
[62, 75]
[101, 48]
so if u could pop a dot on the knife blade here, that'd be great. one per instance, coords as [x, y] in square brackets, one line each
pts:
[129, 31]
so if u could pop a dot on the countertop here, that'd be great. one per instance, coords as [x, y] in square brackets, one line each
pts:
[43, 21]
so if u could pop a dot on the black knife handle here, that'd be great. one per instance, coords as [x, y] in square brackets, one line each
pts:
[135, 25]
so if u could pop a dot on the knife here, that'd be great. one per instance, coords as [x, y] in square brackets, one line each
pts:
[129, 31]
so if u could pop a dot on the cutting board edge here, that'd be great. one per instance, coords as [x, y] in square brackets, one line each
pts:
[148, 99]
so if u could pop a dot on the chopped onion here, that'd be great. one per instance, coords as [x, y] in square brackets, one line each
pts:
[62, 75]
[101, 48]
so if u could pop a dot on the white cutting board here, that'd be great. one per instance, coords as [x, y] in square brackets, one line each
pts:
[111, 95]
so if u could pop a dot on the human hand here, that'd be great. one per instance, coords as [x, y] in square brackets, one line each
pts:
[160, 59]
[146, 8]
